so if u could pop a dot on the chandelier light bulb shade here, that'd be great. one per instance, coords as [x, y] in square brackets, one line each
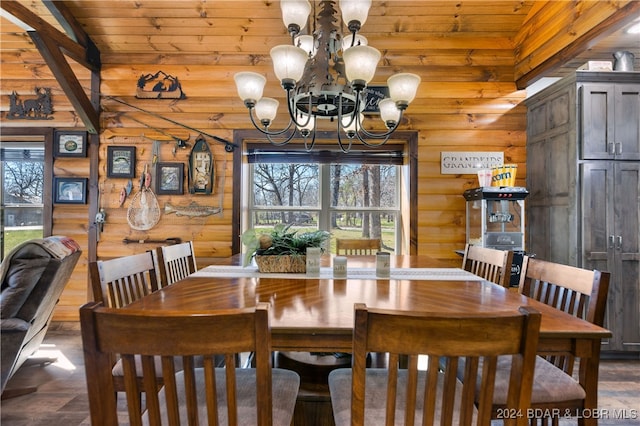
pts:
[348, 41]
[403, 87]
[360, 63]
[307, 43]
[355, 10]
[288, 62]
[250, 86]
[266, 109]
[295, 12]
[349, 123]
[389, 112]
[307, 123]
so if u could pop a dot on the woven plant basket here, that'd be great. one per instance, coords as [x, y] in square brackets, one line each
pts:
[283, 263]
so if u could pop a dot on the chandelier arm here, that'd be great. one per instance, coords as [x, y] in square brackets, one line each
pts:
[265, 130]
[354, 115]
[381, 135]
[354, 32]
[292, 110]
[308, 147]
[283, 142]
[374, 144]
[342, 145]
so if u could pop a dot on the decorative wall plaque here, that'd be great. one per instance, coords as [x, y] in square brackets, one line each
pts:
[70, 144]
[38, 108]
[159, 86]
[201, 168]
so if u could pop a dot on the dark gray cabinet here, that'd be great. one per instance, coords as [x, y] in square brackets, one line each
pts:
[583, 176]
[610, 126]
[611, 242]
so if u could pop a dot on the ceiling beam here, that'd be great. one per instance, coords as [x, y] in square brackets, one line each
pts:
[613, 23]
[53, 45]
[74, 30]
[68, 81]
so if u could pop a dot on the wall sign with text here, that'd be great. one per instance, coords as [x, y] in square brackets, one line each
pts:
[374, 95]
[454, 163]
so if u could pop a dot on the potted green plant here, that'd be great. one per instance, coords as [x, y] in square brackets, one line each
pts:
[282, 249]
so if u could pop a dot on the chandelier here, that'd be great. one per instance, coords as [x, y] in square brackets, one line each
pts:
[325, 76]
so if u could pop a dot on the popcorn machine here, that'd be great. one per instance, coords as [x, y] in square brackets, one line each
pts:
[495, 217]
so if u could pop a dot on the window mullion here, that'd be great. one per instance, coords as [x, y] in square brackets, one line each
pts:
[324, 218]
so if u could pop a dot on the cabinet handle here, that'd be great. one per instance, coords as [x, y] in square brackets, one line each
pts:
[612, 240]
[612, 148]
[619, 242]
[619, 148]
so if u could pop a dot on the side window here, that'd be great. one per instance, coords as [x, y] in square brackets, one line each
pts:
[22, 176]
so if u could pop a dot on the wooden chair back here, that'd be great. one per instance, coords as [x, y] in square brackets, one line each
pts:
[357, 246]
[120, 281]
[207, 394]
[175, 262]
[476, 339]
[576, 291]
[491, 264]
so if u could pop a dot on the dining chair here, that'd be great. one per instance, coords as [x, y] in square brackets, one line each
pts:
[194, 395]
[357, 246]
[120, 281]
[175, 262]
[578, 292]
[491, 264]
[393, 395]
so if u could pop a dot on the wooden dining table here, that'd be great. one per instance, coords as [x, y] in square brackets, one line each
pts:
[316, 313]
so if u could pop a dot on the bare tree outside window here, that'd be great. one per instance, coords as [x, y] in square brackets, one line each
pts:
[24, 181]
[22, 176]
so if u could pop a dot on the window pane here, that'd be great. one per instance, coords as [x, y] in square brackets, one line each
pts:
[362, 224]
[22, 189]
[364, 185]
[291, 185]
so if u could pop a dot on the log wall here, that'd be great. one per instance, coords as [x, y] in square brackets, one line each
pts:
[468, 101]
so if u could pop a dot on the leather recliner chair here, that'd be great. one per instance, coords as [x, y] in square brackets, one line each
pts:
[33, 276]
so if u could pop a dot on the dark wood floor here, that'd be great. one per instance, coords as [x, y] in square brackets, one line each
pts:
[61, 399]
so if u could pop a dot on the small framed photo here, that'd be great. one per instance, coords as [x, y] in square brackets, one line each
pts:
[70, 144]
[70, 190]
[170, 178]
[121, 161]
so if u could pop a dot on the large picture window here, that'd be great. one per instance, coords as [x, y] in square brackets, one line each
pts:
[351, 196]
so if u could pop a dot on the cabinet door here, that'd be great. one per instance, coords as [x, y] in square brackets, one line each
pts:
[627, 122]
[597, 193]
[626, 271]
[597, 125]
[611, 242]
[597, 215]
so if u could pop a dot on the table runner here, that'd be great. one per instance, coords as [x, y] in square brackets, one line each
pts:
[449, 274]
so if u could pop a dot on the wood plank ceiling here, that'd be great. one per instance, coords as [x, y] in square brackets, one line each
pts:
[414, 36]
[229, 32]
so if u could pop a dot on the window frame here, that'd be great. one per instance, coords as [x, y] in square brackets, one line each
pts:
[407, 181]
[37, 135]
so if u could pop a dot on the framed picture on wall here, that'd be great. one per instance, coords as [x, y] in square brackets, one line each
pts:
[70, 190]
[121, 161]
[170, 178]
[70, 143]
